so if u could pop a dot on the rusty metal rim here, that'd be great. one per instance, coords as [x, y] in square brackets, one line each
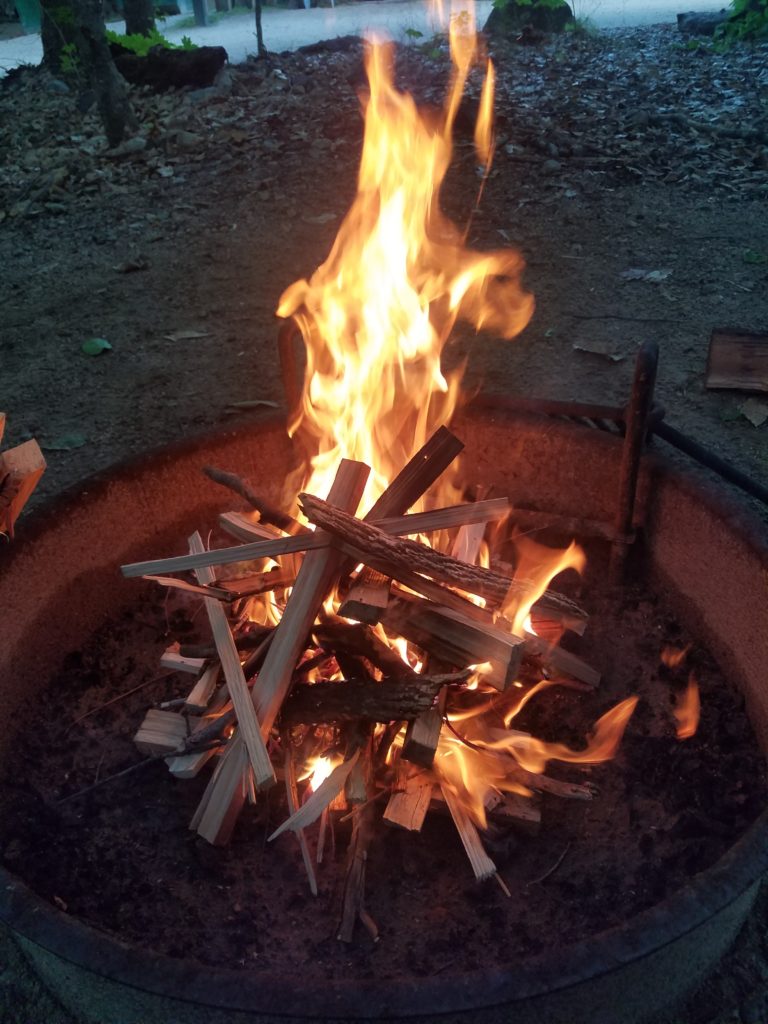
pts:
[101, 954]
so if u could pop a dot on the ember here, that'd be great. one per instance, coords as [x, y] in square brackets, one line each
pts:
[395, 650]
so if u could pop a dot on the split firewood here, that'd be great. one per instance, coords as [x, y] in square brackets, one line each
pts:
[176, 662]
[367, 541]
[411, 796]
[521, 812]
[563, 662]
[268, 513]
[223, 799]
[292, 797]
[353, 899]
[456, 641]
[249, 728]
[324, 795]
[423, 734]
[20, 472]
[359, 699]
[368, 597]
[482, 865]
[161, 732]
[246, 641]
[200, 695]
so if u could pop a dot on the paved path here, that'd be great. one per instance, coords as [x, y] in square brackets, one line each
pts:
[287, 30]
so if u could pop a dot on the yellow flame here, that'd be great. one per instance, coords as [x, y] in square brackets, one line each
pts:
[537, 565]
[375, 316]
[318, 769]
[688, 709]
[484, 137]
[673, 657]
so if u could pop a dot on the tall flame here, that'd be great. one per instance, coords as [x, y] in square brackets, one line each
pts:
[376, 315]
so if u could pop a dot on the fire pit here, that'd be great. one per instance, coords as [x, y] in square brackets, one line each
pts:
[58, 584]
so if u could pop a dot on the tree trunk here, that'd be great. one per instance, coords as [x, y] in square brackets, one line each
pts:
[260, 47]
[139, 17]
[75, 43]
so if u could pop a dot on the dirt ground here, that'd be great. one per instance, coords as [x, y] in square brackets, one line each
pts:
[621, 152]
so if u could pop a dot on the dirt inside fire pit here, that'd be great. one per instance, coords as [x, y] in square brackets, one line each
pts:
[123, 858]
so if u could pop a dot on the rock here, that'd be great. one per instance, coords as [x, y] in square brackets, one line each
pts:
[701, 23]
[164, 69]
[130, 147]
[551, 167]
[223, 83]
[55, 85]
[508, 21]
[188, 140]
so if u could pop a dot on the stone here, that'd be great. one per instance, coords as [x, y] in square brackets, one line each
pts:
[511, 19]
[551, 167]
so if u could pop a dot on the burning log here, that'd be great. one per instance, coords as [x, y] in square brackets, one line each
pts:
[409, 803]
[521, 812]
[454, 640]
[342, 637]
[367, 542]
[561, 661]
[224, 797]
[360, 699]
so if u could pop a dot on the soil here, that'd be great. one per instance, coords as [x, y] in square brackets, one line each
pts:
[621, 152]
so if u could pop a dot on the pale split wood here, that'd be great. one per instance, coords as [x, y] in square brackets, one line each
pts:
[171, 659]
[200, 695]
[249, 728]
[222, 800]
[161, 732]
[522, 812]
[482, 865]
[242, 528]
[325, 793]
[423, 734]
[20, 471]
[409, 803]
[190, 588]
[292, 796]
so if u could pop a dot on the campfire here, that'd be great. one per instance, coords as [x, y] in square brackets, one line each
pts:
[373, 641]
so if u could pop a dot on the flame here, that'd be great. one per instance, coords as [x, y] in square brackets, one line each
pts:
[673, 657]
[687, 710]
[484, 137]
[318, 769]
[537, 565]
[376, 315]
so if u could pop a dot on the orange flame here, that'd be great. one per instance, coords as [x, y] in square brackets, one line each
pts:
[376, 315]
[673, 657]
[537, 565]
[687, 710]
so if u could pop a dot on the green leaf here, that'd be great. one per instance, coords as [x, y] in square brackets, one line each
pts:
[65, 443]
[413, 33]
[753, 256]
[95, 346]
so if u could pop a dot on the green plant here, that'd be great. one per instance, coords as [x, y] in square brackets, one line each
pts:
[582, 27]
[530, 3]
[141, 45]
[748, 20]
[69, 60]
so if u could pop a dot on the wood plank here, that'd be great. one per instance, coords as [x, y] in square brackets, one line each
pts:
[737, 360]
[482, 865]
[200, 695]
[20, 471]
[171, 659]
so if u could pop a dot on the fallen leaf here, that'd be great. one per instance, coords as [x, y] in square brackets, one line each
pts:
[753, 256]
[599, 348]
[186, 335]
[95, 346]
[755, 411]
[64, 443]
[652, 276]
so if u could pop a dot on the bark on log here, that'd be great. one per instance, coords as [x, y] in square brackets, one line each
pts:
[411, 556]
[353, 699]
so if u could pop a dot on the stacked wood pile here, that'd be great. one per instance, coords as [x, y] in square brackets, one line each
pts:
[267, 699]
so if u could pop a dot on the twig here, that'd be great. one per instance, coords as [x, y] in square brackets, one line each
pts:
[269, 514]
[550, 871]
[121, 696]
[187, 748]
